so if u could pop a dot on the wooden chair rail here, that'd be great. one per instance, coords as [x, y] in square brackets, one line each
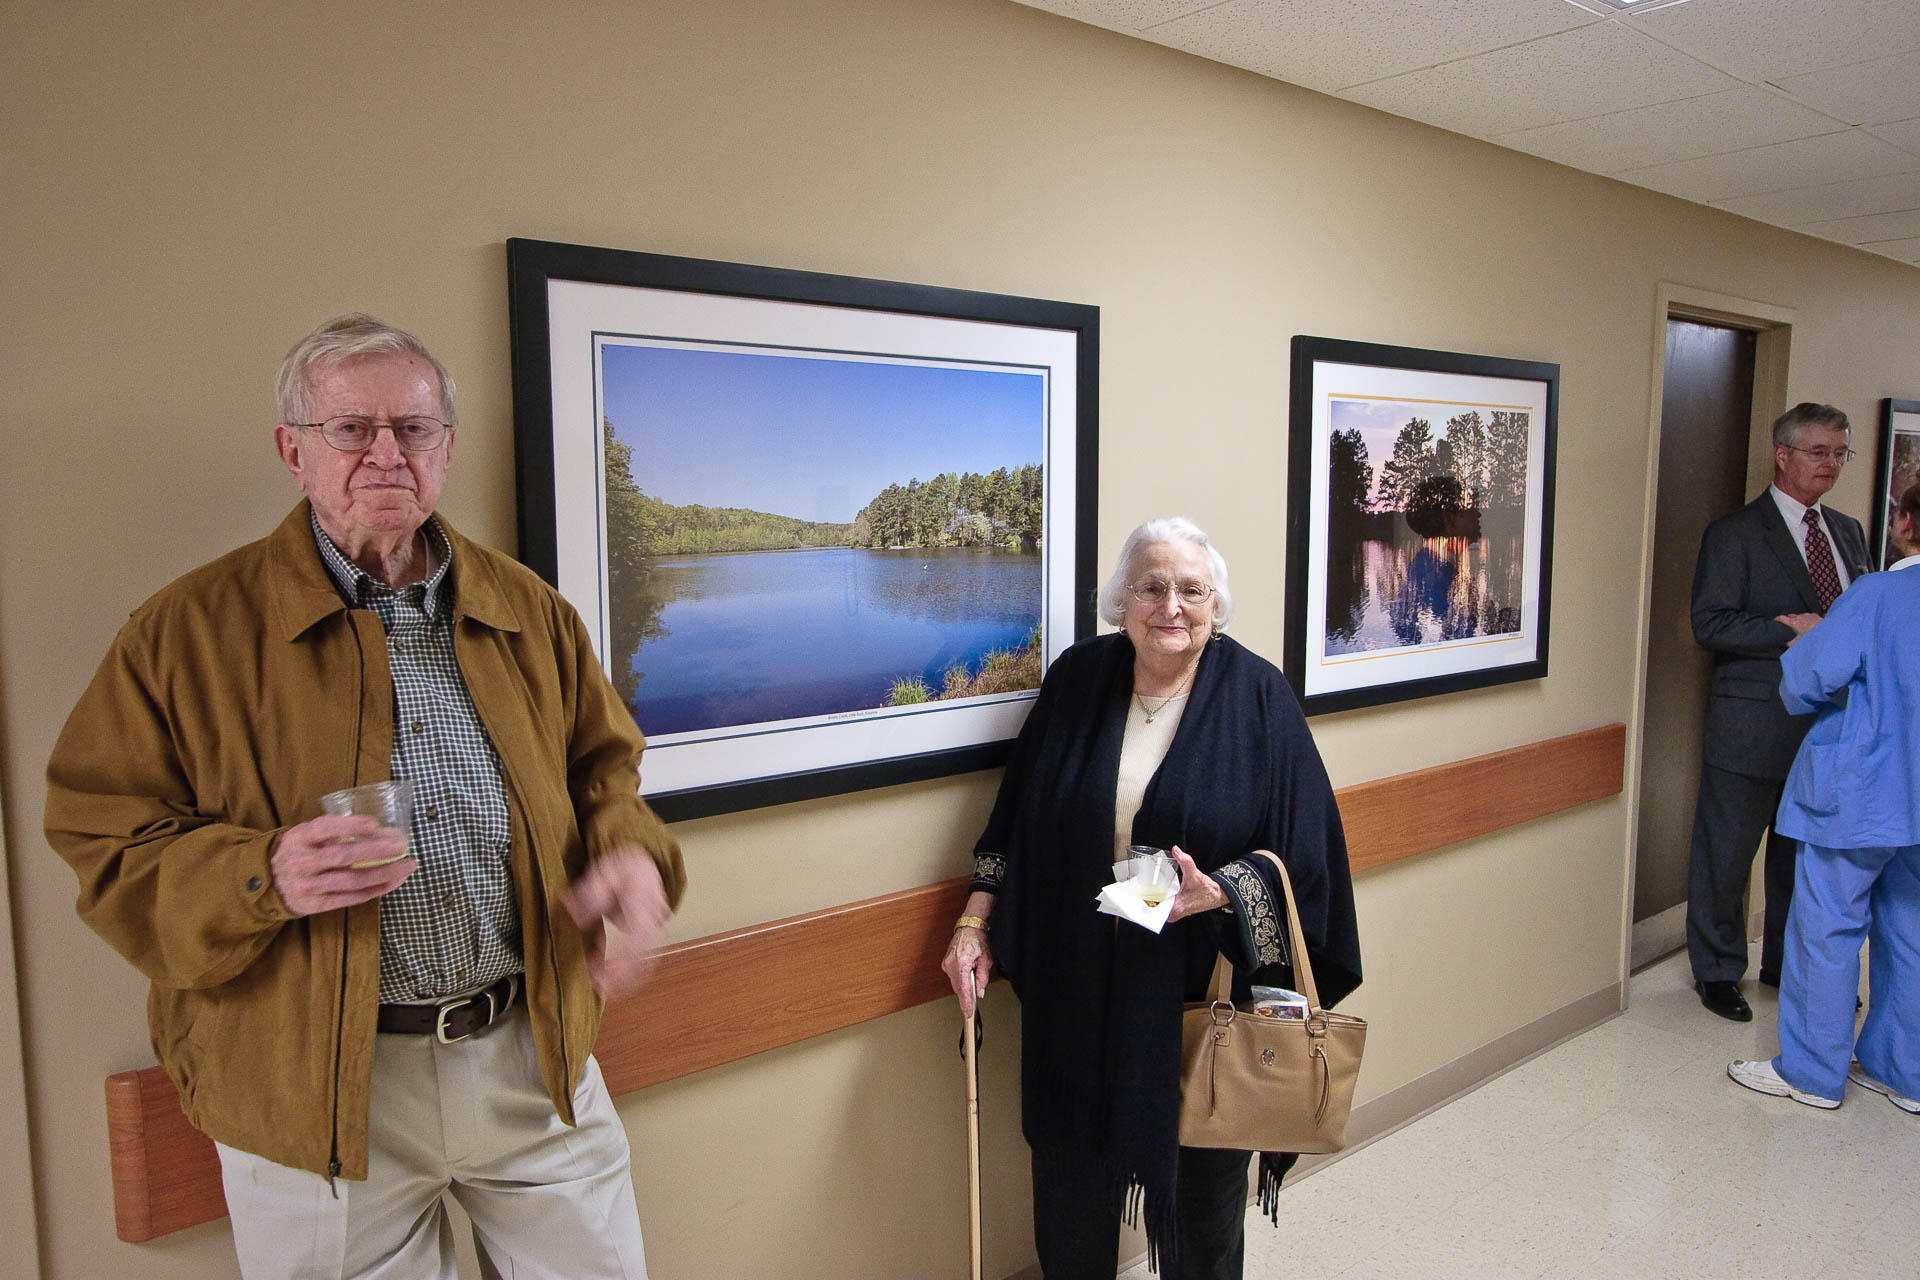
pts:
[702, 1007]
[1412, 813]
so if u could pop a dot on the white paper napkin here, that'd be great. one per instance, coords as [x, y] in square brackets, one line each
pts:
[1122, 898]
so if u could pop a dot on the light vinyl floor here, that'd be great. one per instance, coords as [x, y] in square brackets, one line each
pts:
[1625, 1152]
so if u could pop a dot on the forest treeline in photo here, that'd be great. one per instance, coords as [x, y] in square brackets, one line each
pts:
[649, 527]
[1441, 485]
[999, 509]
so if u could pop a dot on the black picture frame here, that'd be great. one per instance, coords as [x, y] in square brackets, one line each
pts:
[1896, 465]
[1376, 611]
[571, 304]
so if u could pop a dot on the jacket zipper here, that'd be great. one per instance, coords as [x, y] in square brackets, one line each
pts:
[346, 936]
[533, 873]
[339, 1035]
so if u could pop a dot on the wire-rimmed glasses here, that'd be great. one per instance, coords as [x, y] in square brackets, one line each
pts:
[1820, 453]
[354, 433]
[1154, 592]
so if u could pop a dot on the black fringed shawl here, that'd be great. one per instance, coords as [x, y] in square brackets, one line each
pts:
[1101, 999]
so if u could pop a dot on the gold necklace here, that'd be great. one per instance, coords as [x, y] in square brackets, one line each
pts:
[1154, 711]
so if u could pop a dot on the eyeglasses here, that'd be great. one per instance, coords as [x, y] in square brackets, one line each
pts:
[1842, 455]
[1155, 592]
[354, 434]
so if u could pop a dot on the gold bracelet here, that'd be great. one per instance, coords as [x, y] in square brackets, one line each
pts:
[971, 922]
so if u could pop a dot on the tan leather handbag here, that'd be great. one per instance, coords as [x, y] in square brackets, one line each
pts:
[1254, 1083]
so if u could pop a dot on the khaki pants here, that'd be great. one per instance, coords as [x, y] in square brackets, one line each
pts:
[472, 1119]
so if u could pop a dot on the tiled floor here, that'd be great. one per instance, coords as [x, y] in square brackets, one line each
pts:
[1625, 1152]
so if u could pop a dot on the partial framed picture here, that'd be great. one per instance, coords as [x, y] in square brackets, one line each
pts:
[1897, 466]
[827, 532]
[1419, 522]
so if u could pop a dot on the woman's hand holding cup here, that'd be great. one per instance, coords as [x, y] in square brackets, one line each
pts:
[1198, 891]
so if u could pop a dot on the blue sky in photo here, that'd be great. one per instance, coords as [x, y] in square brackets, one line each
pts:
[810, 436]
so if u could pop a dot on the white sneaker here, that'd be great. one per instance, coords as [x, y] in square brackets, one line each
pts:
[1762, 1078]
[1858, 1074]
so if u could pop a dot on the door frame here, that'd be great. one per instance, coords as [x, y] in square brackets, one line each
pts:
[1772, 326]
[19, 1213]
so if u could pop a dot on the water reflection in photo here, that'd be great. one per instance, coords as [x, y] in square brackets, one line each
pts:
[763, 636]
[1406, 591]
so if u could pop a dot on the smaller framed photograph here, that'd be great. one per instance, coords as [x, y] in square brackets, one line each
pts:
[1419, 522]
[1897, 466]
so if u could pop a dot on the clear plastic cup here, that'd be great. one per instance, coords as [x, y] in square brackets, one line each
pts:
[389, 803]
[1153, 873]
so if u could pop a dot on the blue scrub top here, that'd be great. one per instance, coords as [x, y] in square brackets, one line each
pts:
[1856, 782]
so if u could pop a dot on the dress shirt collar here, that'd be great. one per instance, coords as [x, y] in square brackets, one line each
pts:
[358, 587]
[1793, 511]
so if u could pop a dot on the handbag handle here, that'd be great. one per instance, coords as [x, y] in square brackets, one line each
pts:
[1221, 988]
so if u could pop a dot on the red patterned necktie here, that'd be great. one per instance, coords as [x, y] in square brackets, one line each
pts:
[1826, 579]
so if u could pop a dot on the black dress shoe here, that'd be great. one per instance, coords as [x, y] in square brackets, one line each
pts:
[1724, 998]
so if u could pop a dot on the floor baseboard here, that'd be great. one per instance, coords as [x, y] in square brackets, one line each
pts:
[1659, 935]
[1378, 1117]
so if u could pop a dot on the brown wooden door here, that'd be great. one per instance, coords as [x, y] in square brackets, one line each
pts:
[1705, 428]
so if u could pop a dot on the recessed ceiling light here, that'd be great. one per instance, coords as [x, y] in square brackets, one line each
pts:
[1624, 6]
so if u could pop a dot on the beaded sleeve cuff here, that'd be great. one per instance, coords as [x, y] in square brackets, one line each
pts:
[1256, 913]
[989, 872]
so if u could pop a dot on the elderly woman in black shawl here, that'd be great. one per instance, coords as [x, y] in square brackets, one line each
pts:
[1166, 734]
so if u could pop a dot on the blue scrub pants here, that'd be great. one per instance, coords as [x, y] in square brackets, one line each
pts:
[1840, 898]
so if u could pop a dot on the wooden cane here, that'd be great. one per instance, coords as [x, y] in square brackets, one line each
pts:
[973, 1141]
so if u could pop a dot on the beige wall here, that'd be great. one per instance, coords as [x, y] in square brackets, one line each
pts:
[189, 188]
[16, 1182]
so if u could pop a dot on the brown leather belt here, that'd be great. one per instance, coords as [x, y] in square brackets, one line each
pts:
[455, 1019]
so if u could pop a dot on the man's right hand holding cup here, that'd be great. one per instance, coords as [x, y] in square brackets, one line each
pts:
[330, 862]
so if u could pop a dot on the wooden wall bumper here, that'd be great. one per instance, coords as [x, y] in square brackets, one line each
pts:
[1413, 813]
[701, 1007]
[706, 1002]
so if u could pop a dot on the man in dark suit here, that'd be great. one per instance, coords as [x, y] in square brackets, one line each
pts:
[1766, 574]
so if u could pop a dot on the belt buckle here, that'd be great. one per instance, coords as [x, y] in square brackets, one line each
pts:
[440, 1020]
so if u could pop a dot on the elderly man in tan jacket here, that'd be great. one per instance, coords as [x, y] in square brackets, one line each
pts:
[360, 1017]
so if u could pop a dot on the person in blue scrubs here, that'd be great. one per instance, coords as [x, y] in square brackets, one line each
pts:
[1853, 801]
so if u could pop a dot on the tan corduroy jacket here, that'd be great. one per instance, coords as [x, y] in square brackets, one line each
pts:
[228, 704]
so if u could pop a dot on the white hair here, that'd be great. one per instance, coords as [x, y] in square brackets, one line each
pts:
[1788, 427]
[348, 338]
[1113, 596]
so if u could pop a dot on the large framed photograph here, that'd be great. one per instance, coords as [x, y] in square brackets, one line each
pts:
[827, 532]
[1896, 467]
[1419, 522]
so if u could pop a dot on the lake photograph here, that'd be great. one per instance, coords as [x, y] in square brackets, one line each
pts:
[1426, 523]
[797, 535]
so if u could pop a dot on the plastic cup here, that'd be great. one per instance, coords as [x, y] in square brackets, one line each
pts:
[1153, 873]
[389, 803]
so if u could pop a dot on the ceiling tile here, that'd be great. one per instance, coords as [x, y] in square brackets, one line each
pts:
[1905, 250]
[1875, 92]
[1767, 39]
[1607, 10]
[1869, 229]
[1904, 134]
[1118, 15]
[1806, 162]
[1584, 72]
[1826, 133]
[1667, 131]
[1793, 208]
[1335, 46]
